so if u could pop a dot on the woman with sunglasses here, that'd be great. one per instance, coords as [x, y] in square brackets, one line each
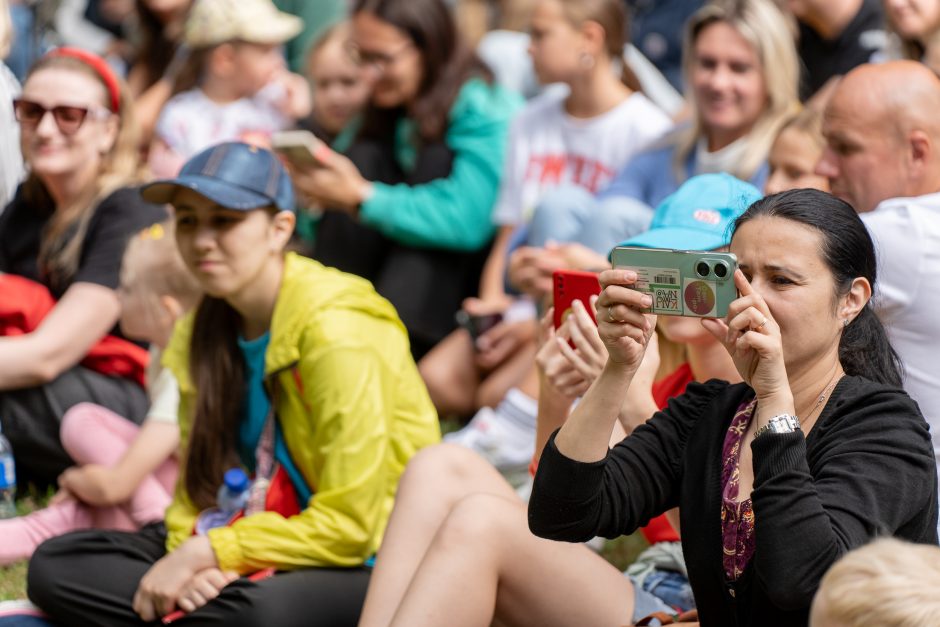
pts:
[410, 208]
[61, 242]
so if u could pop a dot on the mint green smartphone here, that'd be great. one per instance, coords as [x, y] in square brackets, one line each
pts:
[682, 282]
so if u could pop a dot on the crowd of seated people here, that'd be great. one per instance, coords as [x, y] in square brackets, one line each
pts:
[257, 256]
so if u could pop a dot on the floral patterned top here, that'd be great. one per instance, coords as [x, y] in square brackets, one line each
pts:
[737, 519]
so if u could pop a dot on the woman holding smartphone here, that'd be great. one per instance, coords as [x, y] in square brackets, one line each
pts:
[458, 543]
[816, 453]
[408, 205]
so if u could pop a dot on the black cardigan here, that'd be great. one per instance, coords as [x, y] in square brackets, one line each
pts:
[866, 469]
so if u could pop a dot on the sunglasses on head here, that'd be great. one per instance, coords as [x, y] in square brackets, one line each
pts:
[68, 118]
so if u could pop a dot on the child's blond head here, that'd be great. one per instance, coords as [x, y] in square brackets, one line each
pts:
[156, 287]
[888, 583]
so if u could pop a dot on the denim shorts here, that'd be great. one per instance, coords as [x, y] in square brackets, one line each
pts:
[662, 591]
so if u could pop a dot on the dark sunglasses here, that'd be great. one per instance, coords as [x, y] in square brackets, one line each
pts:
[68, 118]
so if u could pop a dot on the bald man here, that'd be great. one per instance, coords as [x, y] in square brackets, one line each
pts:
[882, 129]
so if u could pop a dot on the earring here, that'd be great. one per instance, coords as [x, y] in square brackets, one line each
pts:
[587, 60]
[846, 322]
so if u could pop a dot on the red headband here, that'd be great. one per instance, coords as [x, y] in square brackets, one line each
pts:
[101, 68]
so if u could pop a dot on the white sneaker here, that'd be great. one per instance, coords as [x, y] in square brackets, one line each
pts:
[505, 437]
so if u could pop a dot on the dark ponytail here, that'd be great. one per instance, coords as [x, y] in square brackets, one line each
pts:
[218, 374]
[849, 253]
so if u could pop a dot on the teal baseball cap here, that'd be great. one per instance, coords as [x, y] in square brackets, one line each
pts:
[699, 215]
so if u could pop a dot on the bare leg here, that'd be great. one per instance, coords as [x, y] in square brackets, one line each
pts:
[485, 566]
[450, 374]
[510, 373]
[436, 479]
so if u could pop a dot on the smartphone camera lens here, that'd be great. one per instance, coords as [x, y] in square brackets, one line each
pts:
[702, 269]
[721, 270]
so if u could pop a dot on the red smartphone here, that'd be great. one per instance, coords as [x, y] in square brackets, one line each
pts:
[572, 285]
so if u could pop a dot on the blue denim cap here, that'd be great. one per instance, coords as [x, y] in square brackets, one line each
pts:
[234, 175]
[699, 215]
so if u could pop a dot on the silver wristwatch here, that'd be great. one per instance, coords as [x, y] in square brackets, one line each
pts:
[782, 423]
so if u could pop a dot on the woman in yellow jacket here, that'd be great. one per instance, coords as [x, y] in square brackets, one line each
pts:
[298, 374]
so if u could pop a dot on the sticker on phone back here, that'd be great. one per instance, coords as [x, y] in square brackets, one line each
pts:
[662, 284]
[699, 297]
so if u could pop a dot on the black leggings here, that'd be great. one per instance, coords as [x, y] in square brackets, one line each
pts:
[90, 578]
[31, 418]
[426, 286]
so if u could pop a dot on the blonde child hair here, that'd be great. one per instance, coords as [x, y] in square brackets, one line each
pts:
[888, 583]
[808, 122]
[153, 270]
[153, 261]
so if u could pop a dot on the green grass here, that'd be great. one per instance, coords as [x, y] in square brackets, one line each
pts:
[620, 552]
[623, 551]
[13, 578]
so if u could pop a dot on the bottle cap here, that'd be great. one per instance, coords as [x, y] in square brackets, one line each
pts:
[235, 480]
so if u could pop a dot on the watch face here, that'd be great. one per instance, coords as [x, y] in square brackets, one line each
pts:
[784, 423]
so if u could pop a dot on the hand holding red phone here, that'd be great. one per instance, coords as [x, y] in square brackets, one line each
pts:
[583, 349]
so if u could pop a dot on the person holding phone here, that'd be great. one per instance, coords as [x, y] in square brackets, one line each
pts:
[458, 542]
[818, 450]
[409, 191]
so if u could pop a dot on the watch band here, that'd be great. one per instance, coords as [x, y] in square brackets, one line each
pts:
[782, 423]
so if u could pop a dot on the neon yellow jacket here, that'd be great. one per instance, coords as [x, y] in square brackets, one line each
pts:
[352, 409]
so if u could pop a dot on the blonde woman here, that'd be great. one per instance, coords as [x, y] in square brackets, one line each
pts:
[61, 242]
[741, 69]
[915, 29]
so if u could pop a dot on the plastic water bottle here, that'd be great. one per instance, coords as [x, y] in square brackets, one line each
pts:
[231, 499]
[7, 479]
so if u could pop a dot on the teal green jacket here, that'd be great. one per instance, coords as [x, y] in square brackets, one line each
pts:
[454, 212]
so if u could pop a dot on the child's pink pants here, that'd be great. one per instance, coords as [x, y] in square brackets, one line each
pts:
[92, 435]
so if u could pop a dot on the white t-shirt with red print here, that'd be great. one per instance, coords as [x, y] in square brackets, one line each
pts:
[549, 148]
[190, 122]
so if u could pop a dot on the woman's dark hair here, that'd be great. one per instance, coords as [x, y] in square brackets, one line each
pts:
[849, 253]
[447, 62]
[217, 368]
[155, 49]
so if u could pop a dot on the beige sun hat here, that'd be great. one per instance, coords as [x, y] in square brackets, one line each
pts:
[212, 22]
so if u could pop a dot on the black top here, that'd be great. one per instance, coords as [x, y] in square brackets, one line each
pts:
[824, 58]
[116, 219]
[866, 469]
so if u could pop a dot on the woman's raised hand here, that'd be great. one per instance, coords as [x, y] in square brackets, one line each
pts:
[335, 183]
[588, 357]
[622, 326]
[752, 338]
[554, 368]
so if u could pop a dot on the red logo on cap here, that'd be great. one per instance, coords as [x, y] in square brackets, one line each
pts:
[707, 216]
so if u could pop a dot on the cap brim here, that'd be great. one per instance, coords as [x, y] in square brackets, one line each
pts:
[220, 192]
[677, 237]
[274, 29]
[279, 29]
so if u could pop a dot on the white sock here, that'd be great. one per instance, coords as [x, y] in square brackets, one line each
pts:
[519, 408]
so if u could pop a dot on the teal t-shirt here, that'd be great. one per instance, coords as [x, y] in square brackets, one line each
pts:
[255, 409]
